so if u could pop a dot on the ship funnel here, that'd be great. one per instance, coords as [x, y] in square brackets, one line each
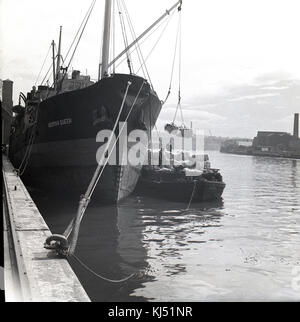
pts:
[296, 126]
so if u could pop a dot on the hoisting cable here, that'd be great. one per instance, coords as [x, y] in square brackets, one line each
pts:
[180, 63]
[179, 107]
[175, 55]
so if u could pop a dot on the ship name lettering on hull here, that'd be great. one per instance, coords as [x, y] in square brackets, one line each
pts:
[59, 123]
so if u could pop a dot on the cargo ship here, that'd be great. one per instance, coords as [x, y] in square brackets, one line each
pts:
[53, 141]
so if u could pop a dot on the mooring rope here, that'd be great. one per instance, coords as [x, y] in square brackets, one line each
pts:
[60, 243]
[28, 151]
[100, 276]
[74, 226]
[97, 173]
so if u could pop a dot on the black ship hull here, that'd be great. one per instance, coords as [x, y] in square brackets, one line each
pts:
[63, 153]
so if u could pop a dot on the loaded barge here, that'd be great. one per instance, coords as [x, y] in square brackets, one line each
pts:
[179, 183]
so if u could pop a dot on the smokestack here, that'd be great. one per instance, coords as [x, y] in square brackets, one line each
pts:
[296, 126]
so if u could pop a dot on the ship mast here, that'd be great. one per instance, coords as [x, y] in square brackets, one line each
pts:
[58, 57]
[104, 64]
[53, 62]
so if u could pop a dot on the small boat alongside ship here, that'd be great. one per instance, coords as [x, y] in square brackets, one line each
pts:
[181, 184]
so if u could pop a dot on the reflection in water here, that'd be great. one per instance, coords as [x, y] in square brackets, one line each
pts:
[244, 249]
[109, 243]
[294, 174]
[134, 237]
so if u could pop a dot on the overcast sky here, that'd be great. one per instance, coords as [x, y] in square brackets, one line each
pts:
[240, 58]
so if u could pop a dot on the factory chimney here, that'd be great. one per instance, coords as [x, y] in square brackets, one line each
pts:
[296, 126]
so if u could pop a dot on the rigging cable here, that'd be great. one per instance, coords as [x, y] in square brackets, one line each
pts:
[123, 28]
[114, 36]
[77, 33]
[137, 45]
[142, 41]
[50, 68]
[39, 74]
[43, 81]
[158, 40]
[80, 36]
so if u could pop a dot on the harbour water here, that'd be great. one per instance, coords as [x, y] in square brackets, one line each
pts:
[246, 248]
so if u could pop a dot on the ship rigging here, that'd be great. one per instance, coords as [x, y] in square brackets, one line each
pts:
[53, 141]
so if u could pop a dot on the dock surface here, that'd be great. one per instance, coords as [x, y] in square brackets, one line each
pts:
[32, 273]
